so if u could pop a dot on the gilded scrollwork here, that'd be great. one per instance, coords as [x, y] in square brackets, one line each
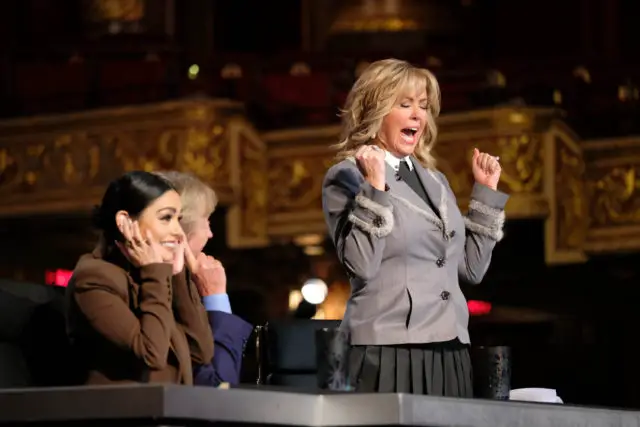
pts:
[615, 196]
[254, 185]
[206, 154]
[9, 169]
[452, 162]
[23, 168]
[63, 160]
[76, 159]
[148, 149]
[70, 165]
[521, 159]
[114, 10]
[295, 184]
[571, 204]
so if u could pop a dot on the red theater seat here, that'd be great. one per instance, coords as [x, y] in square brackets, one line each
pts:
[308, 96]
[132, 82]
[50, 87]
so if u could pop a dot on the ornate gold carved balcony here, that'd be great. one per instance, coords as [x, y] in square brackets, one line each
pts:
[63, 163]
[586, 191]
[357, 16]
[613, 188]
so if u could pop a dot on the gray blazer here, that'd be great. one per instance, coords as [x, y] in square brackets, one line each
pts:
[403, 259]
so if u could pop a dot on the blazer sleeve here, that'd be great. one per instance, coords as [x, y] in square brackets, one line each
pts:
[101, 296]
[230, 334]
[192, 316]
[483, 223]
[358, 218]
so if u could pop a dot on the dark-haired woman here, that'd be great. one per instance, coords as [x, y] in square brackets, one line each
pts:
[125, 298]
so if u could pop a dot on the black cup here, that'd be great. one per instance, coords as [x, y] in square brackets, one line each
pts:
[492, 372]
[332, 357]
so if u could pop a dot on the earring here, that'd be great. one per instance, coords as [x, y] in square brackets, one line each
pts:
[374, 136]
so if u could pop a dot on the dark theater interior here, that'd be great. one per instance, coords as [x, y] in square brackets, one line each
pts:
[246, 95]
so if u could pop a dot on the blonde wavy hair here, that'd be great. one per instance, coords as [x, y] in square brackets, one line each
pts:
[374, 95]
[198, 199]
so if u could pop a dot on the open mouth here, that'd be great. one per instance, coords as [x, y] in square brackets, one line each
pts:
[409, 134]
[170, 245]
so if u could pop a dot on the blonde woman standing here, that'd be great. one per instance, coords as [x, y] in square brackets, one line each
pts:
[401, 237]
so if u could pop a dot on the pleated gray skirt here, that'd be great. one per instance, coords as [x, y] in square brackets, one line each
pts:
[437, 369]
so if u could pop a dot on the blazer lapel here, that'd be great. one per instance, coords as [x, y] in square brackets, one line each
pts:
[435, 189]
[400, 188]
[402, 193]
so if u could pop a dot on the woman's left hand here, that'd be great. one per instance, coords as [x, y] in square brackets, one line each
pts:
[486, 169]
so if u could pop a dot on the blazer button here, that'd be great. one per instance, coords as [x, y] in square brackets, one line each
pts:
[452, 234]
[445, 295]
[440, 262]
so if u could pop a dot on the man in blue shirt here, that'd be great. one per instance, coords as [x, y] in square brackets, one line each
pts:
[230, 332]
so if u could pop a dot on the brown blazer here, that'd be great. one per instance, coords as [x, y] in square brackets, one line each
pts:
[135, 325]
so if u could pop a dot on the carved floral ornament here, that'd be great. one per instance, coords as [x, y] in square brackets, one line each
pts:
[272, 182]
[613, 188]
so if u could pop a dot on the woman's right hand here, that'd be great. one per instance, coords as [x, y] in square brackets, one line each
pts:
[139, 251]
[370, 161]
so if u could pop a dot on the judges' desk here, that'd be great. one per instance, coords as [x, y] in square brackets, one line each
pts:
[152, 405]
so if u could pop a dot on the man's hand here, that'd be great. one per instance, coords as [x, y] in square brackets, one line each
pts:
[208, 273]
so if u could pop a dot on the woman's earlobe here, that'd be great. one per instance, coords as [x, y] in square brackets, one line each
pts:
[121, 218]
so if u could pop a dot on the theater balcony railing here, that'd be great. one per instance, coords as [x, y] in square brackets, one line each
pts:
[585, 191]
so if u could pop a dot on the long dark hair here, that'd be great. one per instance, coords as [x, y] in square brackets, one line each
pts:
[132, 193]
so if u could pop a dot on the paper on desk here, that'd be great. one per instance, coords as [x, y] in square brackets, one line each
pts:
[544, 395]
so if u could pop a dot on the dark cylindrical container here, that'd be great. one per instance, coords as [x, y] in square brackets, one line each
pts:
[332, 356]
[492, 372]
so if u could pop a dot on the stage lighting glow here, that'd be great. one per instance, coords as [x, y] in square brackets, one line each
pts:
[314, 291]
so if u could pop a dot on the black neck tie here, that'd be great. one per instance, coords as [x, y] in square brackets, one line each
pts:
[404, 170]
[410, 177]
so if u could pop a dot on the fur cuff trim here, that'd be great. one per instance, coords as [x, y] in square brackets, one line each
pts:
[382, 223]
[492, 233]
[376, 208]
[497, 216]
[486, 210]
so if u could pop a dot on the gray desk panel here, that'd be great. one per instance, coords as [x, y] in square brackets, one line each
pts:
[286, 408]
[244, 406]
[432, 412]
